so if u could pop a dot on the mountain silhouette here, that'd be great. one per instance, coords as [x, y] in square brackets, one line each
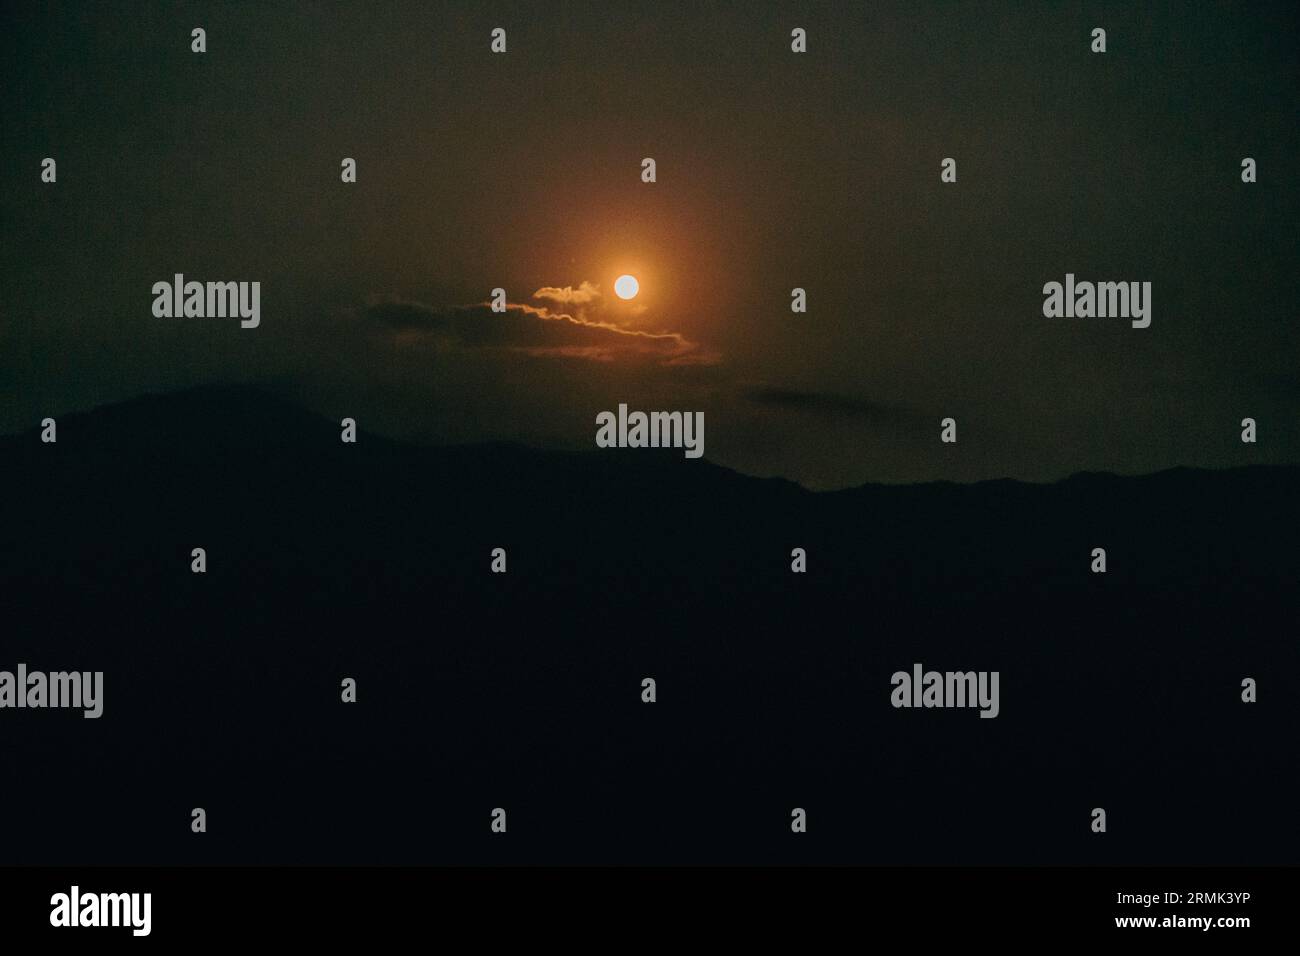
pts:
[522, 690]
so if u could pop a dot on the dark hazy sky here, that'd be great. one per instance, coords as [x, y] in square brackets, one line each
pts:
[775, 170]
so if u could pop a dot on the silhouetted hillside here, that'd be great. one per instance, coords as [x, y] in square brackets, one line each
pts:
[522, 690]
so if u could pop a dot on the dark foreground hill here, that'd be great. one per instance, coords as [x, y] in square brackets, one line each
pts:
[523, 690]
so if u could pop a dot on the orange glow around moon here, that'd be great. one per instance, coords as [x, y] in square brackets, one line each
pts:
[626, 287]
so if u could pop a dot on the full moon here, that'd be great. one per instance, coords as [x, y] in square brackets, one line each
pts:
[626, 287]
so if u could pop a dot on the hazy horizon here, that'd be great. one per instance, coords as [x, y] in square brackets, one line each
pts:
[215, 391]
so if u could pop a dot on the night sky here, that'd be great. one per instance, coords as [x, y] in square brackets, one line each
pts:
[775, 170]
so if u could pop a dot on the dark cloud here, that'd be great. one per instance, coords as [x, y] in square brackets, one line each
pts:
[829, 404]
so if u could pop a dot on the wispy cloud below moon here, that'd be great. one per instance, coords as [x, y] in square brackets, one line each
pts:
[585, 293]
[582, 331]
